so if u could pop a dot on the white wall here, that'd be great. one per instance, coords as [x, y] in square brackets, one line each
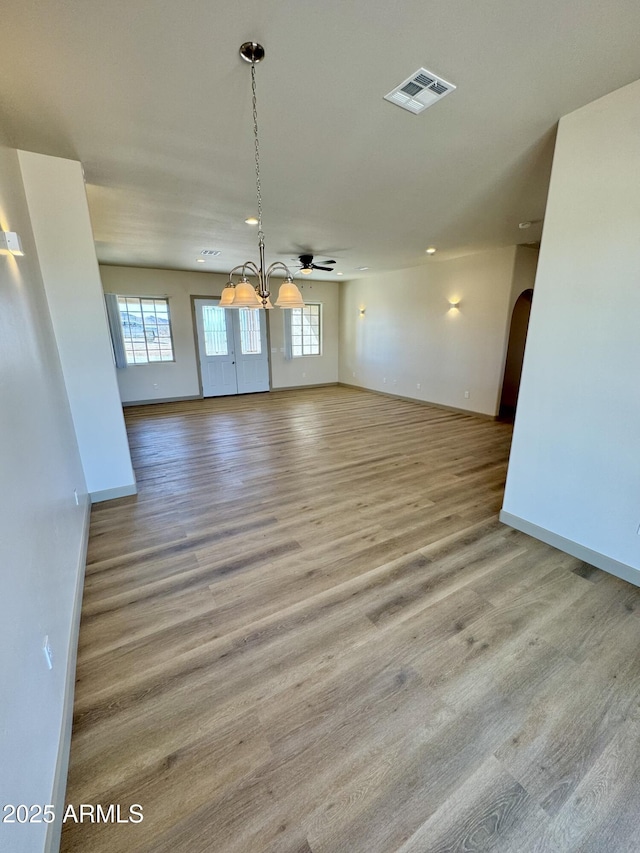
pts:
[409, 335]
[575, 462]
[171, 380]
[62, 229]
[166, 380]
[313, 369]
[42, 531]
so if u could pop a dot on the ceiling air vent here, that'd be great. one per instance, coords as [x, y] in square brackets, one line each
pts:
[212, 253]
[419, 91]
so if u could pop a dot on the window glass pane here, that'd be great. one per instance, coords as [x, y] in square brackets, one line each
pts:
[250, 342]
[146, 329]
[306, 330]
[214, 322]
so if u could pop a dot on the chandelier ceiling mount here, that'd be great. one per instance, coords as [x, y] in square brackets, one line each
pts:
[244, 294]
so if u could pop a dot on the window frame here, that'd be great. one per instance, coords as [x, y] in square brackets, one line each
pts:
[303, 354]
[129, 339]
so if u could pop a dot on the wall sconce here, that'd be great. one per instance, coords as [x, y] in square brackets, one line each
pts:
[454, 303]
[362, 311]
[10, 242]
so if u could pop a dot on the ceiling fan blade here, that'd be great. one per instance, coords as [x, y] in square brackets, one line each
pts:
[329, 262]
[316, 267]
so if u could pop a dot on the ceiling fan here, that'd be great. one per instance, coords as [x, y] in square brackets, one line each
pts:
[307, 266]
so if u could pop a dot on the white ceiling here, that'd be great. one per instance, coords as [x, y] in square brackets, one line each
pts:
[154, 100]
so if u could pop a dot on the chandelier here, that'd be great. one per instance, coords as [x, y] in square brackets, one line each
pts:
[244, 294]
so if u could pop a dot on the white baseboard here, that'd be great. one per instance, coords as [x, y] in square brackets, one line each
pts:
[54, 830]
[475, 414]
[594, 558]
[154, 400]
[302, 387]
[110, 494]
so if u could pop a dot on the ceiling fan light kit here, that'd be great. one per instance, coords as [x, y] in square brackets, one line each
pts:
[244, 294]
[307, 266]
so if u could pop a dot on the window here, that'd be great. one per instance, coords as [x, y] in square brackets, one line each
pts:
[146, 329]
[306, 330]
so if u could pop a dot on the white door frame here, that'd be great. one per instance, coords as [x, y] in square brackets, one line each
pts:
[235, 335]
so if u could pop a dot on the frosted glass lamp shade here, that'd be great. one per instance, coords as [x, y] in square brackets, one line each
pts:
[228, 295]
[289, 296]
[245, 296]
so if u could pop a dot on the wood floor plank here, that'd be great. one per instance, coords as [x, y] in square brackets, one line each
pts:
[490, 811]
[602, 812]
[567, 729]
[295, 640]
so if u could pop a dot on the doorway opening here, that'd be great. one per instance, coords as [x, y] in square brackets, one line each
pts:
[515, 356]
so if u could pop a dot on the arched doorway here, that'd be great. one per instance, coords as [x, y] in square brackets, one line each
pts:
[515, 355]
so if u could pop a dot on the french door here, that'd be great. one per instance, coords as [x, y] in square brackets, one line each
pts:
[232, 347]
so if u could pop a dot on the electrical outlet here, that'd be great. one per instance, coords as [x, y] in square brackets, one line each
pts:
[394, 382]
[384, 380]
[48, 652]
[354, 374]
[466, 395]
[418, 385]
[155, 385]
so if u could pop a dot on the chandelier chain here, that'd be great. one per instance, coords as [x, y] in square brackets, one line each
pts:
[257, 147]
[243, 294]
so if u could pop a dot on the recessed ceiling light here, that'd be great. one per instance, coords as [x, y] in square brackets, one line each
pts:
[431, 250]
[252, 220]
[362, 269]
[339, 273]
[199, 260]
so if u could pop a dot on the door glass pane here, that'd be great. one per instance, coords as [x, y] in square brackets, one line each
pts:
[214, 322]
[250, 343]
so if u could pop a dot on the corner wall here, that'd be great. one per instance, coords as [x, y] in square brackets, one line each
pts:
[42, 530]
[409, 335]
[575, 461]
[59, 214]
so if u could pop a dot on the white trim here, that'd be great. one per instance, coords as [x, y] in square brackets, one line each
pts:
[110, 494]
[299, 387]
[594, 558]
[54, 830]
[471, 412]
[151, 401]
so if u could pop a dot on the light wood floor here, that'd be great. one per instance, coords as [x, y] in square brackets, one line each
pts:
[310, 634]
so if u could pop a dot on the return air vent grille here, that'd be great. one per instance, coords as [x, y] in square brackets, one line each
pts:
[419, 91]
